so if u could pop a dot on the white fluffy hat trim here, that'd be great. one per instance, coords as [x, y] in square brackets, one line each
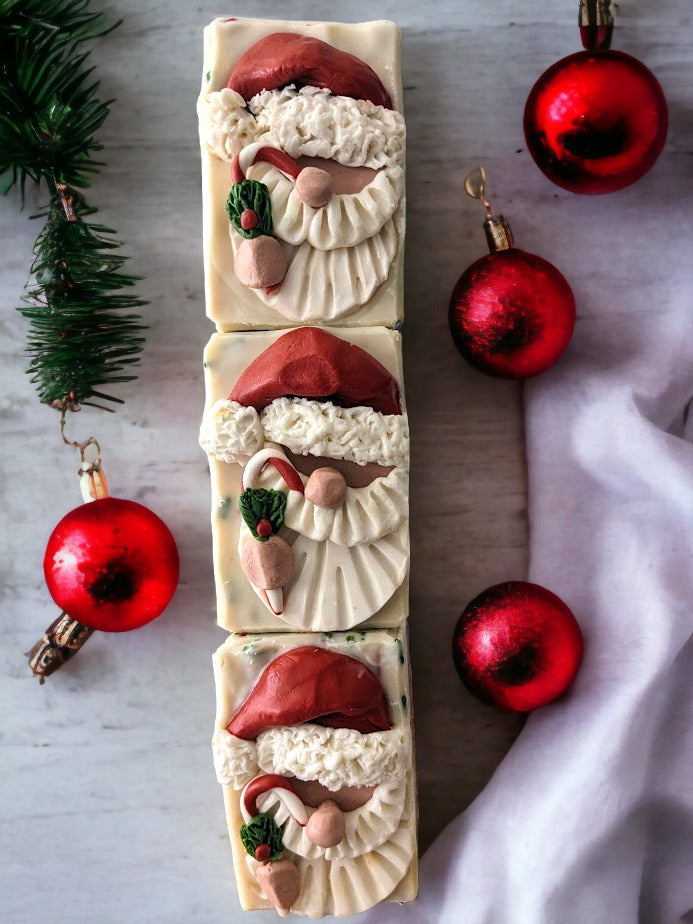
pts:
[232, 432]
[309, 122]
[335, 757]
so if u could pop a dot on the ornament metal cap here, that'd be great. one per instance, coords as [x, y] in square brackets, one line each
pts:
[596, 24]
[497, 230]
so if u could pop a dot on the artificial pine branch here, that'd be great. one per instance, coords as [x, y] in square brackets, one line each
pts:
[79, 338]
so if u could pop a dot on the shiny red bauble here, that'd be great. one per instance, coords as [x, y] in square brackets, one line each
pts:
[596, 121]
[517, 646]
[512, 314]
[111, 564]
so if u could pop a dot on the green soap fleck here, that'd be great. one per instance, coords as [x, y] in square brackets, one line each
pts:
[351, 638]
[401, 651]
[327, 635]
[223, 508]
[404, 702]
[208, 76]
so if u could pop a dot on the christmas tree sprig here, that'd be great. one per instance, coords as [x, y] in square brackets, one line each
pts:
[81, 336]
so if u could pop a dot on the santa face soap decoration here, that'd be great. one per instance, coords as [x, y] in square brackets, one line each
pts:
[313, 748]
[307, 438]
[302, 143]
[313, 427]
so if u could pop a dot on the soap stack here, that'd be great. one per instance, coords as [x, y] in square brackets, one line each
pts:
[305, 428]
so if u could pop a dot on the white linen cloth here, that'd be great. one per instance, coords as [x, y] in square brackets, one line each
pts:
[589, 818]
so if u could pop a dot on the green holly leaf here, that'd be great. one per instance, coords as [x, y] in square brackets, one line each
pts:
[249, 194]
[259, 504]
[263, 829]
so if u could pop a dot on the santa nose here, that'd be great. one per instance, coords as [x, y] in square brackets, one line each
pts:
[326, 826]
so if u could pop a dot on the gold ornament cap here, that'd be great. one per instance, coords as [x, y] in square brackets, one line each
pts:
[497, 230]
[596, 24]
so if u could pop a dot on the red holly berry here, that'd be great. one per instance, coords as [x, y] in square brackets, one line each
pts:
[263, 853]
[249, 219]
[264, 528]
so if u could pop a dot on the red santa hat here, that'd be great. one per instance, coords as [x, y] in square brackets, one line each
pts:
[307, 98]
[286, 58]
[316, 394]
[314, 713]
[311, 684]
[310, 362]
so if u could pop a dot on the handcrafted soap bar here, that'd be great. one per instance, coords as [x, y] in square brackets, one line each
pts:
[313, 745]
[308, 443]
[302, 140]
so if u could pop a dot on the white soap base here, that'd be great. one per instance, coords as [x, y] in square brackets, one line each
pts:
[230, 305]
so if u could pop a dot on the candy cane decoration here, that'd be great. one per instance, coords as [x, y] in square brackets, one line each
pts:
[282, 788]
[269, 456]
[313, 185]
[272, 596]
[260, 261]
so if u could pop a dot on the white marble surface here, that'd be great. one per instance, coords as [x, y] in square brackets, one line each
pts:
[110, 807]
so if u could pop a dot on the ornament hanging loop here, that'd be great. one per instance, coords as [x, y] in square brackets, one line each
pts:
[497, 230]
[474, 185]
[89, 444]
[596, 24]
[92, 478]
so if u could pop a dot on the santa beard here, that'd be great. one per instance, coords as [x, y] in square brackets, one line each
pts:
[350, 254]
[347, 563]
[338, 255]
[366, 866]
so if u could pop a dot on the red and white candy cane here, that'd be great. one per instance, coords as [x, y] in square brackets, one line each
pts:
[273, 597]
[269, 456]
[282, 788]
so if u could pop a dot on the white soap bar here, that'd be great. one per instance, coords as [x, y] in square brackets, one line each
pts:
[345, 258]
[351, 562]
[376, 858]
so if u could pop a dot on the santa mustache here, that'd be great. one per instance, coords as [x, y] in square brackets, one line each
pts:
[292, 216]
[323, 818]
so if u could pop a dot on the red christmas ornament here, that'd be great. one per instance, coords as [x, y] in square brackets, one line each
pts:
[511, 313]
[111, 564]
[517, 646]
[596, 121]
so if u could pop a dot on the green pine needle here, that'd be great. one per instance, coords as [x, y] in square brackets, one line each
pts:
[49, 110]
[81, 335]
